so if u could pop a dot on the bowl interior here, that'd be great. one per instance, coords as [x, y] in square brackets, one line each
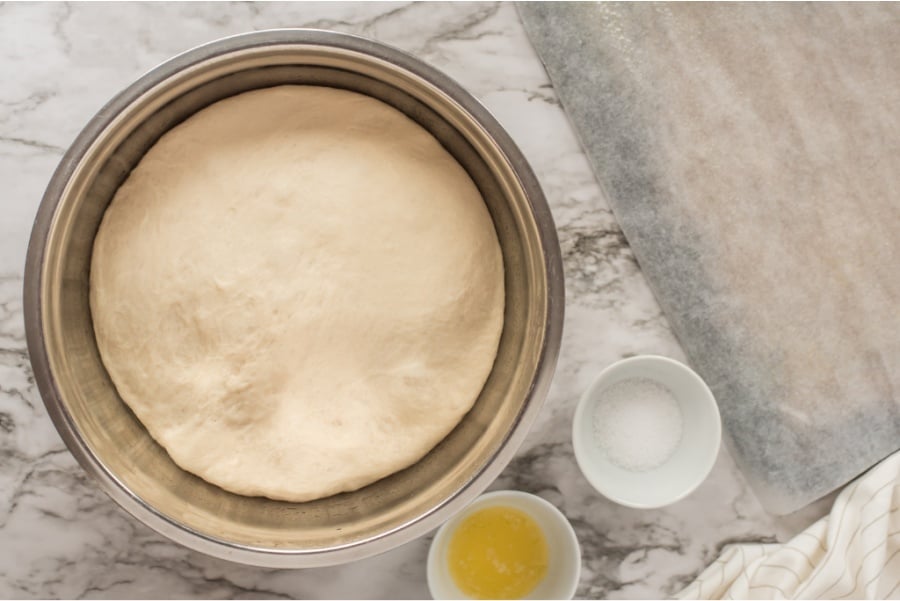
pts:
[118, 441]
[564, 569]
[693, 457]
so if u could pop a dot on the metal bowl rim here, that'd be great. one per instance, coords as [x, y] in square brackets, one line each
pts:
[109, 483]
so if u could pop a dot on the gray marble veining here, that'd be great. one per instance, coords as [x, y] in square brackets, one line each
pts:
[61, 537]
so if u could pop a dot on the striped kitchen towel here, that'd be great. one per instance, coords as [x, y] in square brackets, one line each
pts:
[852, 553]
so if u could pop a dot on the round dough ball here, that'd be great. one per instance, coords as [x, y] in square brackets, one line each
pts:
[298, 291]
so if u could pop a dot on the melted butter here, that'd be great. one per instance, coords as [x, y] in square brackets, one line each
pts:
[498, 553]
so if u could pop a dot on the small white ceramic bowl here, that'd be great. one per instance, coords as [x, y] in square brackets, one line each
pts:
[565, 554]
[692, 459]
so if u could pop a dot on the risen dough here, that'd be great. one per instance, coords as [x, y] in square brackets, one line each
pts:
[298, 291]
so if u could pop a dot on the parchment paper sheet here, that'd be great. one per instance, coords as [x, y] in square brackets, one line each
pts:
[751, 153]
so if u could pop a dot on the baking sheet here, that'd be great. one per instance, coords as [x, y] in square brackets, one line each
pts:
[751, 153]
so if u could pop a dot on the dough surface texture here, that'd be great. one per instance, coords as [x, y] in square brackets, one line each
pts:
[298, 291]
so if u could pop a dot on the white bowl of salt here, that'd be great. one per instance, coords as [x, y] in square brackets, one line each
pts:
[647, 432]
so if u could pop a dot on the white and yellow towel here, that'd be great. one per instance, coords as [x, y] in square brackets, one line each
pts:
[852, 553]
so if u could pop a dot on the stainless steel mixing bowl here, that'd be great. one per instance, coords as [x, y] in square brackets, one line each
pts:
[112, 445]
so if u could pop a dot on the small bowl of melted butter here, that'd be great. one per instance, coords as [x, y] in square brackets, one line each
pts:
[505, 545]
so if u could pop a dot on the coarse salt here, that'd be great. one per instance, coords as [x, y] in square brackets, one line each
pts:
[638, 423]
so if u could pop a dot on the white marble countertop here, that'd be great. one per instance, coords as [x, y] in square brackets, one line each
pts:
[61, 537]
